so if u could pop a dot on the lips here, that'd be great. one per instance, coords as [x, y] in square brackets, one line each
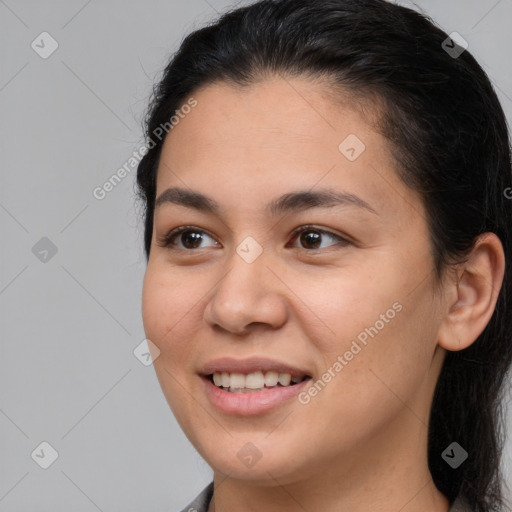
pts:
[253, 400]
[254, 403]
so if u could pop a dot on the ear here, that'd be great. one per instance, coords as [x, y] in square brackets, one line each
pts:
[473, 293]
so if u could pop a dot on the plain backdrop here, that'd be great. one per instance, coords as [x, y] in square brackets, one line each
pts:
[72, 265]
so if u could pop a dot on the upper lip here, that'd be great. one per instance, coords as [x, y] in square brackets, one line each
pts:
[250, 365]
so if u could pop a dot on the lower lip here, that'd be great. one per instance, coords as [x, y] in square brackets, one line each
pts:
[257, 402]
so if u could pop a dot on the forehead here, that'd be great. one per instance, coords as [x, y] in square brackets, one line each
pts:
[294, 108]
[260, 140]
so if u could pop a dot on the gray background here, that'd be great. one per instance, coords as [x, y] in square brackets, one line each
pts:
[70, 323]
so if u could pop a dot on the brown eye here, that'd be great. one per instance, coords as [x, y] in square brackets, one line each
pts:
[311, 238]
[186, 238]
[189, 238]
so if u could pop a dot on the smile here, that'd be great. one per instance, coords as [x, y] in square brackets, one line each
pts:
[253, 382]
[243, 401]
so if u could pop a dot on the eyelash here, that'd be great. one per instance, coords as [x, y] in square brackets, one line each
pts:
[167, 240]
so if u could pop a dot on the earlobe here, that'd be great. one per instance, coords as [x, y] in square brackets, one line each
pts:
[476, 288]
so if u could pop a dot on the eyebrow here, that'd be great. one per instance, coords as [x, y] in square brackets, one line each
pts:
[287, 203]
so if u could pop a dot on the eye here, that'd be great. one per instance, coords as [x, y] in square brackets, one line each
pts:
[311, 237]
[189, 236]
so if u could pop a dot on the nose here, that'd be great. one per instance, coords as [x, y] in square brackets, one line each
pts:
[247, 298]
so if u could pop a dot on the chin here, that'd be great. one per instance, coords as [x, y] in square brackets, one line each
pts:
[262, 462]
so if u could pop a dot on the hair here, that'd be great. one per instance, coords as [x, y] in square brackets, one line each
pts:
[448, 135]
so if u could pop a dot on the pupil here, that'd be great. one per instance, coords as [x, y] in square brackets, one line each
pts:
[195, 238]
[310, 237]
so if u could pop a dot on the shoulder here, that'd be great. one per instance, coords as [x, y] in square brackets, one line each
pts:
[201, 501]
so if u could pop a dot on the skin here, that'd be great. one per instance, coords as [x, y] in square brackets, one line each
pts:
[361, 443]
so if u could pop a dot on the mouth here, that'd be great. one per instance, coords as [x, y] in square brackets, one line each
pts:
[253, 386]
[254, 382]
[237, 398]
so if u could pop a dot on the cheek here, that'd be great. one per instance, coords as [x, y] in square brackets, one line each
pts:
[347, 304]
[155, 306]
[376, 339]
[385, 364]
[167, 309]
[168, 323]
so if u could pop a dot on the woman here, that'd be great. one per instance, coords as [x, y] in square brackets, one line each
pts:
[326, 227]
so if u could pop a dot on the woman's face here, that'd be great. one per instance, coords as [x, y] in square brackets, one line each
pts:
[349, 304]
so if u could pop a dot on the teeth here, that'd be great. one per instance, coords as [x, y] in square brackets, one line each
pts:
[237, 381]
[253, 381]
[284, 379]
[271, 379]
